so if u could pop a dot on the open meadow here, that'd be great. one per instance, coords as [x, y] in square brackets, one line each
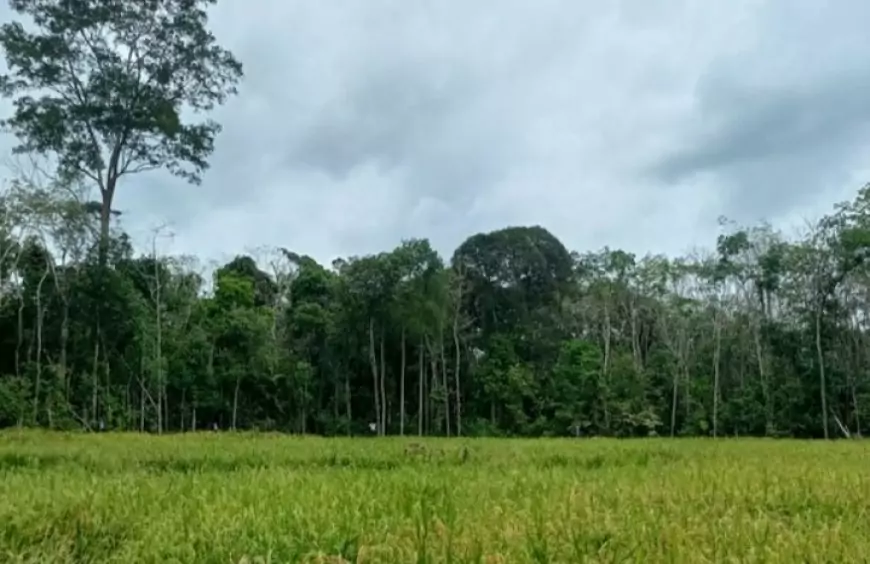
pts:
[223, 498]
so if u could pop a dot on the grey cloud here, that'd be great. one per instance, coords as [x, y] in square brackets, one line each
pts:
[773, 152]
[412, 118]
[785, 121]
[786, 124]
[383, 119]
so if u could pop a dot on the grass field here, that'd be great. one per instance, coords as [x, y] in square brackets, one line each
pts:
[225, 498]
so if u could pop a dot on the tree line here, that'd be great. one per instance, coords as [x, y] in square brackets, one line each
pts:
[513, 335]
[760, 334]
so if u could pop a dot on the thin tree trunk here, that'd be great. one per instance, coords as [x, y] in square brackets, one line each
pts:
[336, 391]
[20, 337]
[457, 381]
[373, 361]
[303, 413]
[159, 362]
[456, 378]
[64, 339]
[855, 367]
[383, 387]
[106, 389]
[142, 392]
[433, 367]
[209, 367]
[717, 354]
[95, 382]
[635, 337]
[605, 367]
[444, 382]
[402, 388]
[763, 377]
[347, 399]
[40, 315]
[687, 378]
[421, 376]
[822, 385]
[236, 401]
[674, 398]
[129, 415]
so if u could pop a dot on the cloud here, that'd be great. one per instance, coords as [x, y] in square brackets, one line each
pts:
[630, 124]
[785, 122]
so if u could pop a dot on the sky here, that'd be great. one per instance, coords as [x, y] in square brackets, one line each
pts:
[632, 124]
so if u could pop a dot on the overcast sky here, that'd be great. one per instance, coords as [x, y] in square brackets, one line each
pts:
[632, 123]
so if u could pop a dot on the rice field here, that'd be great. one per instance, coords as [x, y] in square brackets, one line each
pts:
[224, 498]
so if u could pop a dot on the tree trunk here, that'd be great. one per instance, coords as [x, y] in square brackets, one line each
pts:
[717, 354]
[40, 315]
[129, 415]
[430, 401]
[158, 345]
[209, 368]
[373, 361]
[444, 382]
[347, 399]
[167, 415]
[456, 379]
[142, 392]
[20, 336]
[107, 194]
[336, 416]
[763, 377]
[95, 381]
[856, 368]
[236, 401]
[457, 382]
[421, 379]
[64, 339]
[383, 388]
[635, 338]
[106, 388]
[183, 412]
[402, 388]
[674, 398]
[605, 366]
[687, 378]
[105, 223]
[821, 360]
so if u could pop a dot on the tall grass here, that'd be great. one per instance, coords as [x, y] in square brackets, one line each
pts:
[223, 498]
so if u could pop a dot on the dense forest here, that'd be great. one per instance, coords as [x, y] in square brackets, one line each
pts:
[513, 335]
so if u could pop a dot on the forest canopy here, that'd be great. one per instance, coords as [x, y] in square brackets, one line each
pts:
[513, 335]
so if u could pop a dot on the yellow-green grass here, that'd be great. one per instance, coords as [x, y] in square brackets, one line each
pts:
[227, 498]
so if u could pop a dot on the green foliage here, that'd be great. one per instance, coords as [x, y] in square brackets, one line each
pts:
[579, 392]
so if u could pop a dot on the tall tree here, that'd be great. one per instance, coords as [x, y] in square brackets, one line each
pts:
[103, 86]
